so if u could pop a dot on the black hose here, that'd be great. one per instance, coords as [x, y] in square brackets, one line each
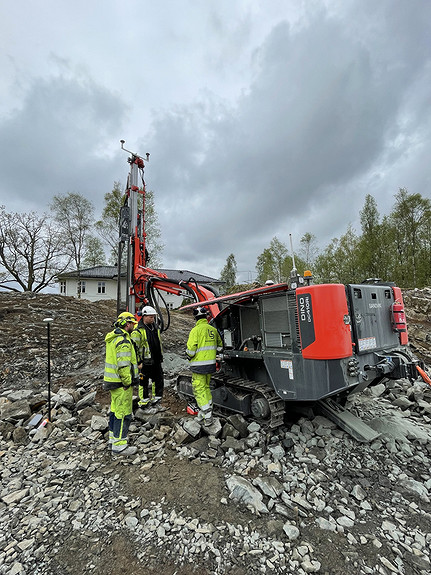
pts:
[211, 289]
[159, 311]
[150, 296]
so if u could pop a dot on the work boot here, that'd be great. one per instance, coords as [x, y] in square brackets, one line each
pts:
[144, 403]
[125, 451]
[208, 421]
[156, 399]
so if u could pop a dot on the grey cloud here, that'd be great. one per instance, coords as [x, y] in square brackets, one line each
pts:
[324, 110]
[52, 143]
[333, 103]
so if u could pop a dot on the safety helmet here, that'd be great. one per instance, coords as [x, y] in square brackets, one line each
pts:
[148, 310]
[124, 318]
[200, 312]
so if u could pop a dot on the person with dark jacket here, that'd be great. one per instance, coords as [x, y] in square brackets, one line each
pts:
[121, 372]
[148, 343]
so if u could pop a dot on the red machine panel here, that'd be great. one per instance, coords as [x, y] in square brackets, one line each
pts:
[399, 322]
[324, 323]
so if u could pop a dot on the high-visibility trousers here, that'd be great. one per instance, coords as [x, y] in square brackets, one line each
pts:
[201, 390]
[121, 414]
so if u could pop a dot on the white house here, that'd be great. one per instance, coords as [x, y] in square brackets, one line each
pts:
[100, 282]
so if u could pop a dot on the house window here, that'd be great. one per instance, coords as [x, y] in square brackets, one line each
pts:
[63, 288]
[101, 287]
[80, 287]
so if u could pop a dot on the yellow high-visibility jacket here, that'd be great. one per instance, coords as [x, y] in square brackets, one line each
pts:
[202, 346]
[121, 366]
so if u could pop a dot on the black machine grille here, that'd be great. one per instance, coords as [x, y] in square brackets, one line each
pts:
[276, 322]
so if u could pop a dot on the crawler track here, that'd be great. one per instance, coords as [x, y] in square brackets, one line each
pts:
[254, 388]
[276, 405]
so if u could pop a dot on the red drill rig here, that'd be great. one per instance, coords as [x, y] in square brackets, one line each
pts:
[142, 282]
[292, 346]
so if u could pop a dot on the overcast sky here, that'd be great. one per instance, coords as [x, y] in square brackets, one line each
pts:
[263, 118]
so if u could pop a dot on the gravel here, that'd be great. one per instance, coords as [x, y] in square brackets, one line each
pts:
[232, 499]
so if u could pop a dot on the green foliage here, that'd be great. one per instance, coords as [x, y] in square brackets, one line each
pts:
[369, 245]
[108, 226]
[275, 264]
[113, 202]
[338, 263]
[152, 228]
[410, 223]
[74, 216]
[396, 248]
[228, 274]
[309, 249]
[94, 253]
[264, 266]
[271, 263]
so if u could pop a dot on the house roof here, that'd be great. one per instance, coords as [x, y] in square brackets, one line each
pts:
[186, 275]
[110, 272]
[97, 272]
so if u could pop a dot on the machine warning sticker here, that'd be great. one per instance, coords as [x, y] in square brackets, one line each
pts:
[367, 343]
[287, 364]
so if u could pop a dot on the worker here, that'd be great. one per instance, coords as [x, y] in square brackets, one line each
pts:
[202, 346]
[146, 337]
[121, 372]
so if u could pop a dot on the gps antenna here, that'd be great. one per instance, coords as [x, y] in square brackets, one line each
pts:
[295, 279]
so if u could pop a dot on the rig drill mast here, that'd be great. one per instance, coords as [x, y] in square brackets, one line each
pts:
[142, 282]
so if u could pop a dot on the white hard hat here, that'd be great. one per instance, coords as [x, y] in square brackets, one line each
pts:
[200, 312]
[148, 310]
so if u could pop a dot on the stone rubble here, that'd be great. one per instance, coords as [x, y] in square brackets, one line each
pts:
[304, 498]
[57, 481]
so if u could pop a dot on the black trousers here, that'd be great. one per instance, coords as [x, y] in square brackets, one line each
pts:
[155, 373]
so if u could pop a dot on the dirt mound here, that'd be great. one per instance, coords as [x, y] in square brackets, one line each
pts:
[77, 336]
[418, 310]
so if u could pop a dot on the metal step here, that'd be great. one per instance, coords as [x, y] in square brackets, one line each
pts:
[346, 421]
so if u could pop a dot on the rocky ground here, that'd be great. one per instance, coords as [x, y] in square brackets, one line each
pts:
[234, 499]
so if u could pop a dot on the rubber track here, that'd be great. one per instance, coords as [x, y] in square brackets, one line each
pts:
[276, 405]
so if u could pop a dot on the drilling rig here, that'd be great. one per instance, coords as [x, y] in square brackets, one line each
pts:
[144, 284]
[291, 346]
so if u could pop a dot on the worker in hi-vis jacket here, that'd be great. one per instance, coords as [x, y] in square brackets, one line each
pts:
[202, 346]
[121, 372]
